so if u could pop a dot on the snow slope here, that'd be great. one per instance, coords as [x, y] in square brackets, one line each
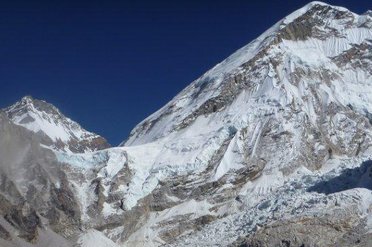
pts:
[272, 140]
[275, 113]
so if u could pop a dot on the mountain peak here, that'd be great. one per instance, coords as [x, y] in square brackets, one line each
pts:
[368, 12]
[310, 39]
[318, 4]
[27, 99]
[317, 20]
[30, 104]
[57, 130]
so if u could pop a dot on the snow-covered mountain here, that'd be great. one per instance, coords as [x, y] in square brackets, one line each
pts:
[271, 147]
[49, 123]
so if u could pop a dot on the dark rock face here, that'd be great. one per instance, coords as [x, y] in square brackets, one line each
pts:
[306, 231]
[65, 201]
[359, 56]
[26, 222]
[21, 156]
[312, 22]
[22, 217]
[4, 234]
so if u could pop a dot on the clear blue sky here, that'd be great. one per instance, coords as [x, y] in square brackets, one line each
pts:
[109, 64]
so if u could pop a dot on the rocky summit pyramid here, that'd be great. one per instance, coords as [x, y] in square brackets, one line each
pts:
[271, 147]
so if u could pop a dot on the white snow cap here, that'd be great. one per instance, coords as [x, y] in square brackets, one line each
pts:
[291, 17]
[43, 118]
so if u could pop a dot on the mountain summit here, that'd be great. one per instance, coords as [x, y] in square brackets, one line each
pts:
[271, 147]
[318, 37]
[53, 127]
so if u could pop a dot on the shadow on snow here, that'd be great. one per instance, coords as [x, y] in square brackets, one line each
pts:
[359, 177]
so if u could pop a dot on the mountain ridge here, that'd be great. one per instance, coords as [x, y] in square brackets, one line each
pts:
[273, 35]
[253, 156]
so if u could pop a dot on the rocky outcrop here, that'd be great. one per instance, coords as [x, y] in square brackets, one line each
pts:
[337, 231]
[40, 194]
